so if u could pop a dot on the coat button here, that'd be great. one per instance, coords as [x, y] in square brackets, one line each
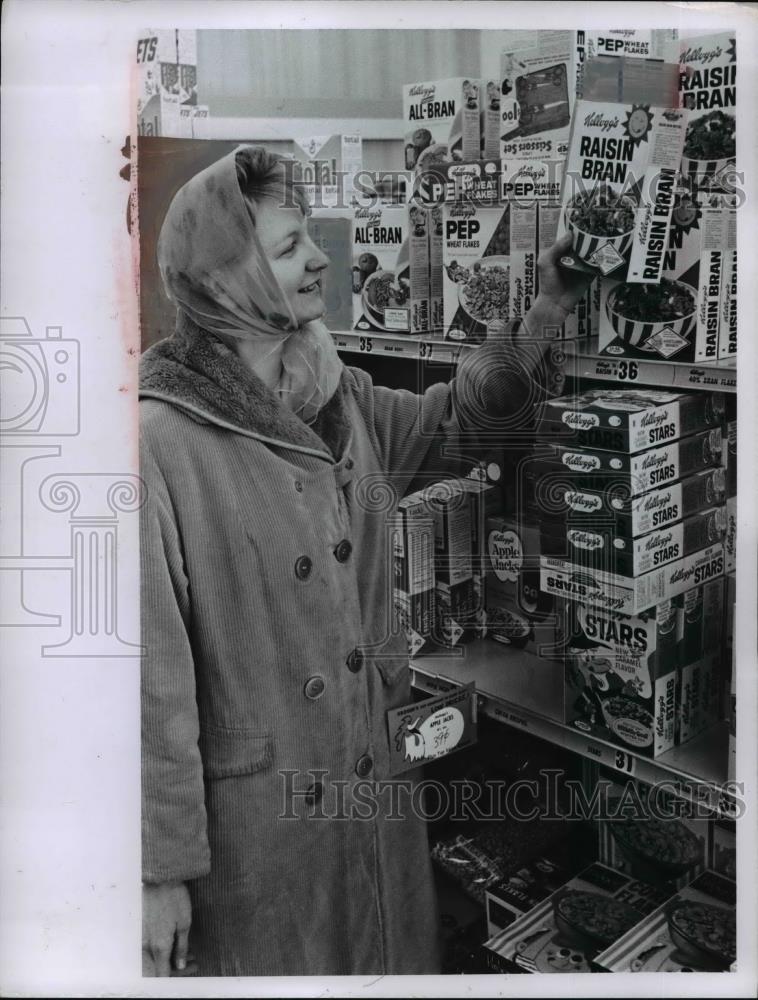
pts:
[298, 486]
[364, 767]
[343, 550]
[355, 661]
[349, 464]
[314, 687]
[315, 793]
[303, 567]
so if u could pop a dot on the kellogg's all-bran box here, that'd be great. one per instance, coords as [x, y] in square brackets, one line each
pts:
[441, 121]
[708, 81]
[391, 268]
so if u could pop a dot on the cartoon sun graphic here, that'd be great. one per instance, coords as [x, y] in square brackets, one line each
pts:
[638, 123]
[686, 214]
[732, 50]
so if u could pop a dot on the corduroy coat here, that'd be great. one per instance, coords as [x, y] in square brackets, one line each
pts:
[271, 659]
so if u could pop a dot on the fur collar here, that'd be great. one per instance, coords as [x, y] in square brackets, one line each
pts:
[196, 372]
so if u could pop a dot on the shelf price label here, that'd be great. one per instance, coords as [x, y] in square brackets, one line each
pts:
[425, 350]
[624, 761]
[365, 345]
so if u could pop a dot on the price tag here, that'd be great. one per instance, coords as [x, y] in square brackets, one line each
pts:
[425, 350]
[624, 761]
[433, 728]
[365, 345]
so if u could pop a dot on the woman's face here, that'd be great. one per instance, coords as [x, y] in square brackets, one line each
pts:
[294, 258]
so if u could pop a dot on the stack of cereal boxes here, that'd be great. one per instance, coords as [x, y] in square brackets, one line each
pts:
[630, 491]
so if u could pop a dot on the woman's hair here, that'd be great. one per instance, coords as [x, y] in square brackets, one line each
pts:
[262, 174]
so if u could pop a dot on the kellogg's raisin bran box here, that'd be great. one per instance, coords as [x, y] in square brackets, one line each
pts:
[629, 420]
[728, 318]
[391, 269]
[678, 318]
[621, 676]
[708, 82]
[441, 121]
[476, 269]
[618, 190]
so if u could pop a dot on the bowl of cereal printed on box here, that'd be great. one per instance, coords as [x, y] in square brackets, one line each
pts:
[636, 311]
[483, 288]
[709, 146]
[601, 218]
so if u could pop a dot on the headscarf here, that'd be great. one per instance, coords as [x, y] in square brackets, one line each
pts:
[215, 270]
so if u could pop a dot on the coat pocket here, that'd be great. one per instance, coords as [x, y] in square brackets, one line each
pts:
[231, 753]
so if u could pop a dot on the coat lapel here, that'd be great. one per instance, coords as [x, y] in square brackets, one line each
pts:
[196, 372]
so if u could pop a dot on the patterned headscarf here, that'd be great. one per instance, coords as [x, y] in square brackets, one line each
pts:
[215, 270]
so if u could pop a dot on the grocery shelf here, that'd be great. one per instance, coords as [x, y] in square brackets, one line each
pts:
[584, 361]
[715, 375]
[399, 345]
[526, 692]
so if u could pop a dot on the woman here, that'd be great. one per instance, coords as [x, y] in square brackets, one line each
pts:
[271, 658]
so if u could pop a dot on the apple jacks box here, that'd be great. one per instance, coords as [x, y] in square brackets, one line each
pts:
[441, 121]
[708, 82]
[680, 317]
[618, 188]
[630, 594]
[629, 420]
[391, 269]
[695, 931]
[566, 931]
[568, 500]
[620, 675]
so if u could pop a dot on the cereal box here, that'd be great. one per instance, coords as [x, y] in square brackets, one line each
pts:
[597, 502]
[489, 116]
[332, 234]
[728, 317]
[621, 676]
[647, 470]
[441, 120]
[328, 167]
[619, 187]
[599, 548]
[523, 262]
[391, 269]
[413, 563]
[649, 836]
[724, 844]
[485, 500]
[476, 263]
[630, 594]
[633, 43]
[565, 932]
[630, 420]
[478, 181]
[526, 887]
[700, 613]
[730, 541]
[537, 92]
[436, 295]
[708, 81]
[695, 931]
[449, 505]
[678, 318]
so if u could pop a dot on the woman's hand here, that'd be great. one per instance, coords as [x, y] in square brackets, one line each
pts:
[166, 919]
[560, 291]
